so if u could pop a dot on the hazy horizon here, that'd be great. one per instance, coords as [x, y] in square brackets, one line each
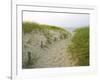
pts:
[57, 19]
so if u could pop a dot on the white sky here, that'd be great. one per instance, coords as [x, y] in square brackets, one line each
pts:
[57, 19]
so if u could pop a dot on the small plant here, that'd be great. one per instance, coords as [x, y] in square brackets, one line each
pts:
[55, 39]
[46, 46]
[64, 35]
[49, 41]
[42, 44]
[29, 61]
[32, 59]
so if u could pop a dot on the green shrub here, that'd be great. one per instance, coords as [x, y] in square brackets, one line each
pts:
[28, 27]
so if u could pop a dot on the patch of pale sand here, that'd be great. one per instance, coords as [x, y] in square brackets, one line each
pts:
[31, 43]
[55, 56]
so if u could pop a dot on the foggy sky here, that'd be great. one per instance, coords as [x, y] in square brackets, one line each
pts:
[58, 19]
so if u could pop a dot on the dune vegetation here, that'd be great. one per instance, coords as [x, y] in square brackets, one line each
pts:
[79, 46]
[52, 46]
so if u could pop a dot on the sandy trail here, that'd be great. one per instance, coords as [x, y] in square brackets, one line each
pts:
[54, 56]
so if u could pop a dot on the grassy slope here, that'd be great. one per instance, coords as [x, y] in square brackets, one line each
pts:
[79, 47]
[29, 26]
